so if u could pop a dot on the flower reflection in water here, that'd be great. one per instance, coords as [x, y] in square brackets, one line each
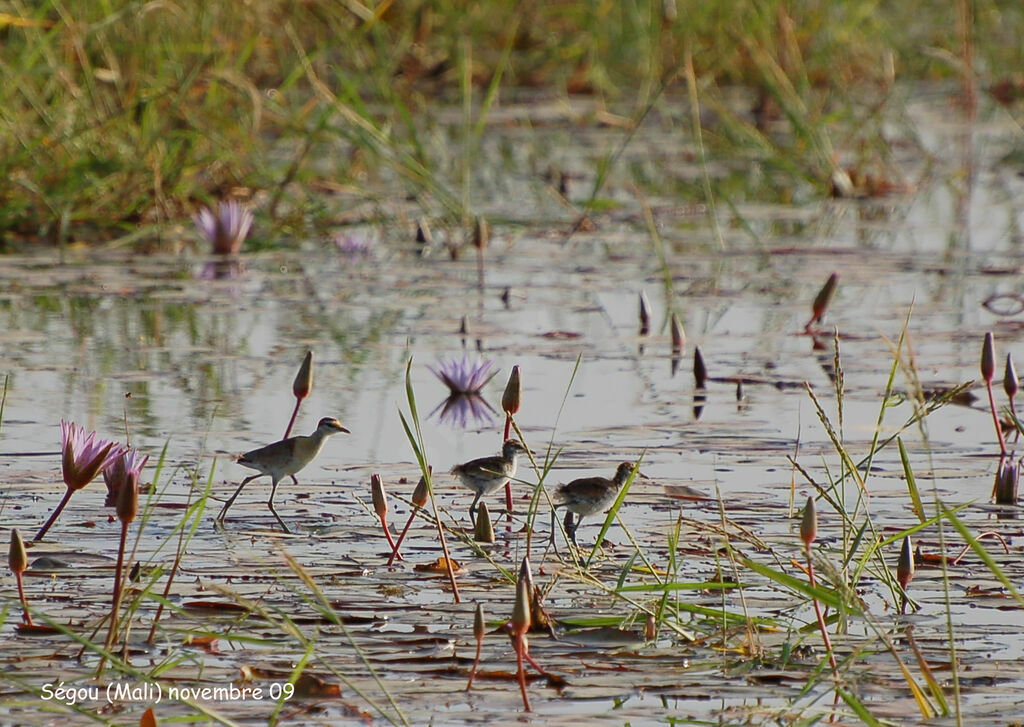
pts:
[465, 406]
[464, 410]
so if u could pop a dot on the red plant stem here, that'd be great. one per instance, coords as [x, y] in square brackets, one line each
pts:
[24, 602]
[520, 650]
[394, 550]
[391, 542]
[508, 485]
[291, 422]
[987, 533]
[534, 664]
[56, 512]
[821, 618]
[476, 663]
[116, 600]
[995, 417]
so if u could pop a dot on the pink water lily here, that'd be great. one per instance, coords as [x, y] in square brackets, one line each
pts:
[354, 245]
[124, 471]
[226, 230]
[83, 458]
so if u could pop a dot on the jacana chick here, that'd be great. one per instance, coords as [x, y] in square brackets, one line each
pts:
[589, 495]
[487, 474]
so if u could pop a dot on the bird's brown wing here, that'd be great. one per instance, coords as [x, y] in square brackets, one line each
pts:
[483, 466]
[587, 488]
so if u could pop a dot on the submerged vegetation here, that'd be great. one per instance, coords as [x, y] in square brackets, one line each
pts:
[119, 119]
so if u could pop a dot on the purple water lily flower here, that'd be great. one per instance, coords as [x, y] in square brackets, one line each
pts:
[83, 457]
[354, 245]
[226, 230]
[124, 471]
[463, 377]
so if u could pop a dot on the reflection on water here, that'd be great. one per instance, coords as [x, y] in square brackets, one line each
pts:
[464, 410]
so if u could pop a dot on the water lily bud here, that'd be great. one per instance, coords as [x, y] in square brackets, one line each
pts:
[513, 392]
[700, 371]
[126, 467]
[521, 609]
[478, 623]
[809, 523]
[380, 500]
[824, 297]
[645, 314]
[17, 557]
[1011, 385]
[304, 379]
[1007, 478]
[651, 628]
[525, 574]
[128, 498]
[678, 335]
[114, 475]
[484, 530]
[481, 233]
[420, 494]
[905, 566]
[988, 358]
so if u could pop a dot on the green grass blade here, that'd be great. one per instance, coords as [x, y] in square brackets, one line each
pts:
[827, 596]
[915, 495]
[858, 708]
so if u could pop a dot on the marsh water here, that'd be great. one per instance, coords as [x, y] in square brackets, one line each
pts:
[203, 366]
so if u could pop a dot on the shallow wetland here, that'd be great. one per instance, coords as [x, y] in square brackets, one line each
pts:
[201, 367]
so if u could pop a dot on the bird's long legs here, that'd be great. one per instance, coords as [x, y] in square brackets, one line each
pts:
[570, 528]
[270, 504]
[224, 510]
[472, 508]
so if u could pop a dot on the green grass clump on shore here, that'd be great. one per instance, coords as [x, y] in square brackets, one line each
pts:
[122, 114]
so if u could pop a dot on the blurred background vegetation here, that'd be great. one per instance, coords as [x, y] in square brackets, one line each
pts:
[120, 117]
